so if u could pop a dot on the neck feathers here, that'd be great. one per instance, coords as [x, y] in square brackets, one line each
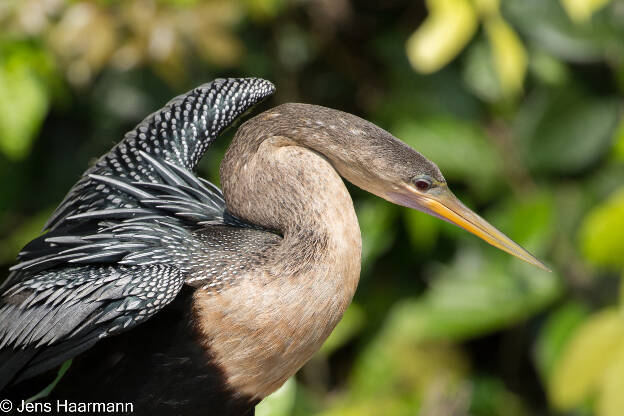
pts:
[261, 332]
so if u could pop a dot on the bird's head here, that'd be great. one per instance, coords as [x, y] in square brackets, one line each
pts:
[378, 162]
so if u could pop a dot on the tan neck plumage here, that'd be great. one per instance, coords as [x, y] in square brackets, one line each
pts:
[260, 332]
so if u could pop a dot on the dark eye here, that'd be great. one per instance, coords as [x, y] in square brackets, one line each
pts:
[422, 184]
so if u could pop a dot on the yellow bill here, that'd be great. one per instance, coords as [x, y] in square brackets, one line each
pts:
[445, 205]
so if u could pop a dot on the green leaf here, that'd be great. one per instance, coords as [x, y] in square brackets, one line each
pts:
[547, 25]
[555, 334]
[422, 229]
[590, 352]
[24, 99]
[392, 366]
[387, 406]
[48, 389]
[530, 220]
[474, 295]
[375, 216]
[599, 243]
[548, 69]
[264, 9]
[491, 397]
[611, 400]
[618, 139]
[399, 373]
[565, 132]
[479, 74]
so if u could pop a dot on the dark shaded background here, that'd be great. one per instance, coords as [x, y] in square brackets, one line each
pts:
[519, 103]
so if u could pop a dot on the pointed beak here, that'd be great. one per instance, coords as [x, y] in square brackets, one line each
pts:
[442, 203]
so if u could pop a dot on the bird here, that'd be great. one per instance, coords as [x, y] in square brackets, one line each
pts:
[182, 298]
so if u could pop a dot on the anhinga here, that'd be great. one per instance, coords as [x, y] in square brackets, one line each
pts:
[185, 300]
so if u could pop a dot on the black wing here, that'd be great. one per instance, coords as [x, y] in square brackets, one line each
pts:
[179, 133]
[119, 246]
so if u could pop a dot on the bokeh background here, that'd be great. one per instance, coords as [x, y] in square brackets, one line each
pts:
[518, 101]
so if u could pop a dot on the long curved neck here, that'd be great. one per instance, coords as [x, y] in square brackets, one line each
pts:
[280, 183]
[301, 290]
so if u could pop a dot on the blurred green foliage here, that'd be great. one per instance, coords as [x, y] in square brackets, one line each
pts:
[518, 102]
[24, 97]
[600, 245]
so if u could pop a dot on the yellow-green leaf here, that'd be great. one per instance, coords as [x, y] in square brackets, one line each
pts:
[488, 7]
[389, 406]
[264, 9]
[581, 10]
[585, 360]
[611, 400]
[422, 229]
[449, 27]
[599, 243]
[23, 105]
[509, 54]
[555, 334]
[618, 141]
